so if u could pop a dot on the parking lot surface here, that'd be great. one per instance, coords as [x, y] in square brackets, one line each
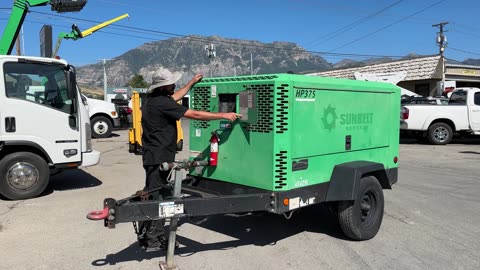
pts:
[431, 221]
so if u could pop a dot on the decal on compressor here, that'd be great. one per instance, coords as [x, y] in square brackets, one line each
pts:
[304, 95]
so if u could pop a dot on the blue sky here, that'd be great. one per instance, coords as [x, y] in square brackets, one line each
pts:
[368, 27]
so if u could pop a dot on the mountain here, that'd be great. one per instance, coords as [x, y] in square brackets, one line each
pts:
[188, 54]
[348, 63]
[472, 62]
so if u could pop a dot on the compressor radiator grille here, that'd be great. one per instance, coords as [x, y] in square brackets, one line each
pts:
[201, 102]
[265, 94]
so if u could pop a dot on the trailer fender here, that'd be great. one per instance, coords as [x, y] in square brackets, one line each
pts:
[346, 178]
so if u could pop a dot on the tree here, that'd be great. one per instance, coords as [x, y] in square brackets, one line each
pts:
[137, 81]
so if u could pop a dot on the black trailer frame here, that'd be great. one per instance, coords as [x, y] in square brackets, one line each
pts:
[204, 197]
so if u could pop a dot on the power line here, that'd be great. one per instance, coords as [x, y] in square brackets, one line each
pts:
[352, 25]
[471, 28]
[460, 50]
[388, 26]
[464, 33]
[200, 39]
[203, 40]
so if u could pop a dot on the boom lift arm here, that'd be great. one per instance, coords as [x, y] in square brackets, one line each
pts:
[19, 11]
[77, 34]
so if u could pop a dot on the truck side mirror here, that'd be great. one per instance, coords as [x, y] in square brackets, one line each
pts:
[71, 83]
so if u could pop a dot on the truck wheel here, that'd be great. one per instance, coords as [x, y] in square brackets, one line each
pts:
[361, 219]
[101, 127]
[440, 134]
[23, 175]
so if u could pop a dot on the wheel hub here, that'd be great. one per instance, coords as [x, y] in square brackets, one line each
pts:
[22, 175]
[367, 207]
[440, 134]
[100, 127]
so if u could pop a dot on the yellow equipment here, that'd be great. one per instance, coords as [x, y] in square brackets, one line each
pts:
[77, 34]
[135, 133]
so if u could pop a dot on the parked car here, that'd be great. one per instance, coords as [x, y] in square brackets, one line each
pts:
[438, 123]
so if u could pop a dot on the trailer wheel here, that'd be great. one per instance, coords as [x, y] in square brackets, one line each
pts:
[440, 134]
[361, 219]
[101, 127]
[23, 175]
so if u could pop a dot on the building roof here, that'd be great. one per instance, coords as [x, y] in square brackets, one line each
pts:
[422, 68]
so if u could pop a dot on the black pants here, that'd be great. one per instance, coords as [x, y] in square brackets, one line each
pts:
[155, 178]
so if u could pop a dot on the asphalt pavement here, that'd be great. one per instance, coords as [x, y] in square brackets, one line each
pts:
[431, 221]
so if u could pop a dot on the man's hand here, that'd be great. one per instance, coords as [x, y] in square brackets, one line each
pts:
[231, 116]
[184, 90]
[196, 78]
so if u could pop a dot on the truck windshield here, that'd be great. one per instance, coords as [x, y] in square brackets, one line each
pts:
[39, 83]
[458, 98]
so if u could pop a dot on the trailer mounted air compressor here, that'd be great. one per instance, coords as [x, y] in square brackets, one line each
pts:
[300, 141]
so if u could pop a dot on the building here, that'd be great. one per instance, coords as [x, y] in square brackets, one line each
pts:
[423, 75]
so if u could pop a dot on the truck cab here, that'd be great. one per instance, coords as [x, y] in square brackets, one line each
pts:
[44, 125]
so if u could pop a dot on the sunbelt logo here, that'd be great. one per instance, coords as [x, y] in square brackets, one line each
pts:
[350, 121]
[329, 118]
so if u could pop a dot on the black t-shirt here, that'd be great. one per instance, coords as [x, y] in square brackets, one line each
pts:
[159, 128]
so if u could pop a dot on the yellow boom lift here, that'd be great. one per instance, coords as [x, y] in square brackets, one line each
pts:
[77, 34]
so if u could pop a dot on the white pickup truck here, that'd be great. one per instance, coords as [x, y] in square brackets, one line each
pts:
[438, 122]
[103, 116]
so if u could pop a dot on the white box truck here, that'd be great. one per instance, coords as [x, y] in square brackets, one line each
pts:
[44, 124]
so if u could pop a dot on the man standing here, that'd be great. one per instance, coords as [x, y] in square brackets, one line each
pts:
[160, 111]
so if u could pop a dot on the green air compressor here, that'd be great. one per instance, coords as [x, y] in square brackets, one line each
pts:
[304, 139]
[301, 141]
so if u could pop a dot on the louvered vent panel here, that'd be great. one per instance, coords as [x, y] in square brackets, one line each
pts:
[201, 102]
[280, 169]
[265, 103]
[281, 100]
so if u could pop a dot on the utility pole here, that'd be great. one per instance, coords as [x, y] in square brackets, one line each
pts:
[441, 39]
[18, 42]
[211, 54]
[104, 78]
[18, 46]
[442, 43]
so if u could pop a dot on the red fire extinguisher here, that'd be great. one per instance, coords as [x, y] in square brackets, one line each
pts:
[214, 149]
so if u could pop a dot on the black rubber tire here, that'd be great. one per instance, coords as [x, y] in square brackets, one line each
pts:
[360, 223]
[104, 123]
[37, 162]
[440, 134]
